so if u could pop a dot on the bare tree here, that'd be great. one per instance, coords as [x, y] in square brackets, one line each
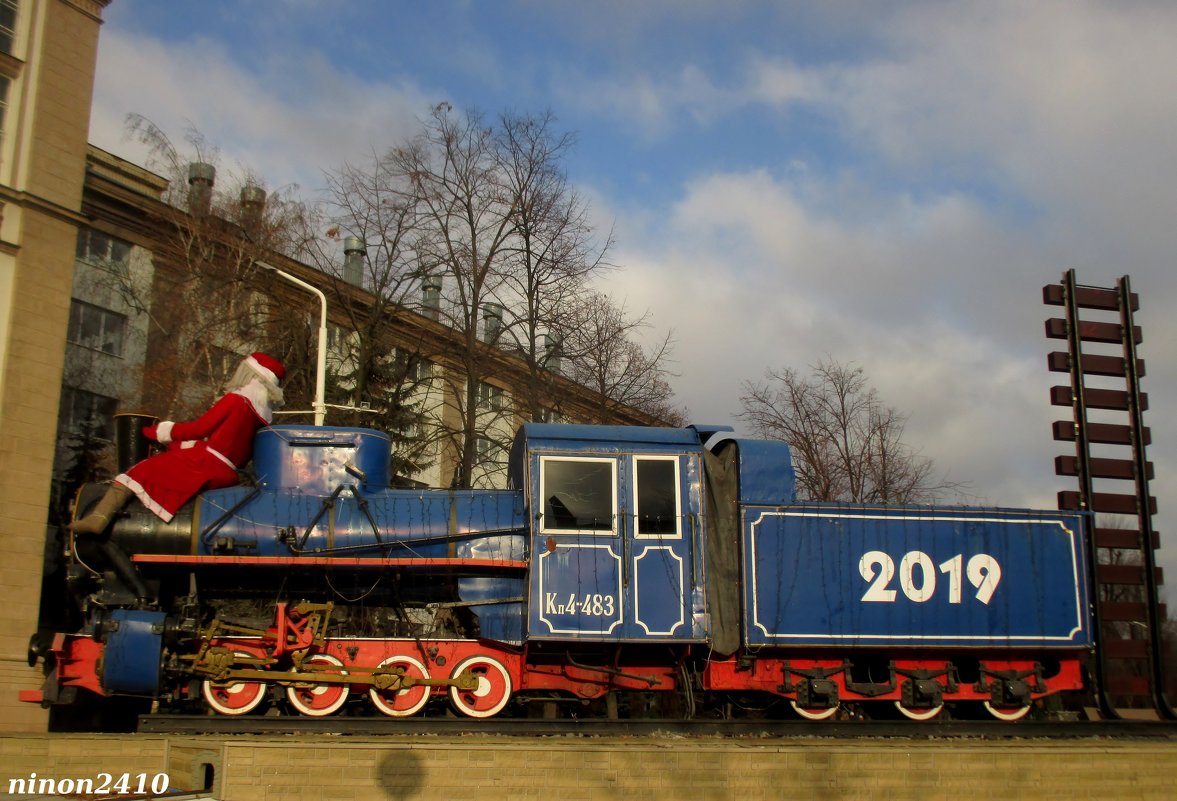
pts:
[599, 341]
[209, 299]
[847, 445]
[374, 212]
[453, 168]
[552, 251]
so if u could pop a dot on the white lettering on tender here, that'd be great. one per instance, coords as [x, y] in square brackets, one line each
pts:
[917, 576]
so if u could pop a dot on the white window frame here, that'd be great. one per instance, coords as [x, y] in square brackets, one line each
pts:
[541, 502]
[634, 511]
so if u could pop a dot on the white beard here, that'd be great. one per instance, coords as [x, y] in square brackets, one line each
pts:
[259, 397]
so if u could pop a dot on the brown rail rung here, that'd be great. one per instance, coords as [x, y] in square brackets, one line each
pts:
[1113, 333]
[1088, 297]
[1126, 611]
[1059, 362]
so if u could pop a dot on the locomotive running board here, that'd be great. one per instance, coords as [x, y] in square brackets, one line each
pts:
[481, 566]
[1129, 567]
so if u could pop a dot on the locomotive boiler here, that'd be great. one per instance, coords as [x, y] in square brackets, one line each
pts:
[673, 562]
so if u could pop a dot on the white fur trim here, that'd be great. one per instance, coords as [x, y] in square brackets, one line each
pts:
[145, 499]
[258, 397]
[163, 432]
[264, 372]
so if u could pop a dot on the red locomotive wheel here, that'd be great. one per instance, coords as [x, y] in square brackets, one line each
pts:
[406, 702]
[491, 694]
[233, 697]
[320, 700]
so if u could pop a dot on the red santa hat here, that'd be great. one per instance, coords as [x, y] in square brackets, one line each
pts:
[267, 367]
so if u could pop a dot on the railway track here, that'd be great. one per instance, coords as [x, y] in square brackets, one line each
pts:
[528, 727]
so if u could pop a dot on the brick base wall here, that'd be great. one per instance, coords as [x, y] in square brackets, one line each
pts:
[588, 769]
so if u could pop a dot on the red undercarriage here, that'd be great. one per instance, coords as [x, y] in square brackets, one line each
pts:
[497, 672]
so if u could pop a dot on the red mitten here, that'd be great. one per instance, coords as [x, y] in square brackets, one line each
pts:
[151, 433]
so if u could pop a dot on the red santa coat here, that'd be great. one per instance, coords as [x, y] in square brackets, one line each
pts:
[202, 454]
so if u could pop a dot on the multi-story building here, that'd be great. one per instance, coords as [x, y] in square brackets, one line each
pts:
[48, 50]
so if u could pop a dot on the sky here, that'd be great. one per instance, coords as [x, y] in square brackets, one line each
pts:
[884, 183]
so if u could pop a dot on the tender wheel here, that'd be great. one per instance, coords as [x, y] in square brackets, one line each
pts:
[492, 693]
[402, 703]
[233, 697]
[1008, 713]
[919, 714]
[814, 712]
[320, 700]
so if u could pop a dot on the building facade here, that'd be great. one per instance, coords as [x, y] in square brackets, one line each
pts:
[48, 51]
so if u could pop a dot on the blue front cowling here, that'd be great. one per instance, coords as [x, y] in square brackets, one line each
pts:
[314, 460]
[131, 662]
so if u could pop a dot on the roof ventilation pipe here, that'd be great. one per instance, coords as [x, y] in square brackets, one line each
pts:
[492, 322]
[354, 252]
[431, 296]
[201, 178]
[253, 202]
[552, 348]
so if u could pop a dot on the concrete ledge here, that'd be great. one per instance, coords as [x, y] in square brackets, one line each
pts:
[248, 768]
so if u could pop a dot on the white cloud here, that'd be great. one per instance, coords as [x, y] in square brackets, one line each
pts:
[996, 143]
[1065, 108]
[299, 117]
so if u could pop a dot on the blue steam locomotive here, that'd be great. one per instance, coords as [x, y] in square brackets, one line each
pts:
[674, 562]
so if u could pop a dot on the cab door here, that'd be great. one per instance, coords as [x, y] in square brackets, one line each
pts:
[577, 586]
[662, 520]
[612, 549]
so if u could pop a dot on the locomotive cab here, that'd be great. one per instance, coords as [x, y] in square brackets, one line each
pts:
[617, 523]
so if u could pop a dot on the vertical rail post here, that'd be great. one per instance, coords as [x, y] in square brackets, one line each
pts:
[1151, 589]
[1086, 487]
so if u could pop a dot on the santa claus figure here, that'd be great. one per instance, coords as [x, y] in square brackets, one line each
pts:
[203, 454]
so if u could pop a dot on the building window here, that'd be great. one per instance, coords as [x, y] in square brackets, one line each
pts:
[421, 370]
[489, 450]
[490, 397]
[338, 338]
[95, 327]
[87, 413]
[7, 25]
[102, 250]
[416, 368]
[4, 84]
[214, 365]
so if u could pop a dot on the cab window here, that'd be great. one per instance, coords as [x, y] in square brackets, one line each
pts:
[656, 496]
[578, 494]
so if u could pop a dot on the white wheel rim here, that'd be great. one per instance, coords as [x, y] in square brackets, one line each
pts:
[209, 690]
[377, 696]
[294, 694]
[485, 687]
[919, 714]
[1001, 713]
[811, 713]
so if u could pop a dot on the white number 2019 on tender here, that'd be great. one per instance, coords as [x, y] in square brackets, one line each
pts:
[877, 568]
